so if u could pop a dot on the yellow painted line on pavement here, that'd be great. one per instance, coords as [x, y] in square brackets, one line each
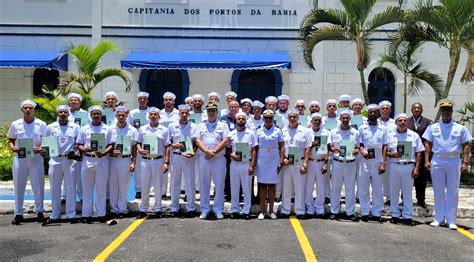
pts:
[466, 233]
[116, 243]
[303, 239]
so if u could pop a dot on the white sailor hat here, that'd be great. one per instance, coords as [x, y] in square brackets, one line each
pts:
[184, 107]
[314, 102]
[314, 115]
[93, 108]
[189, 98]
[169, 94]
[345, 111]
[357, 100]
[300, 101]
[271, 98]
[385, 103]
[400, 115]
[145, 94]
[284, 97]
[372, 106]
[292, 111]
[257, 103]
[344, 97]
[121, 109]
[246, 100]
[198, 96]
[62, 107]
[27, 102]
[240, 114]
[214, 94]
[110, 93]
[230, 93]
[331, 101]
[74, 95]
[154, 110]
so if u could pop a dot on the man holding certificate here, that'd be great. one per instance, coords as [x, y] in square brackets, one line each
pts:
[153, 144]
[183, 135]
[317, 167]
[139, 117]
[372, 165]
[404, 149]
[298, 143]
[345, 143]
[243, 144]
[212, 141]
[96, 142]
[64, 134]
[121, 163]
[24, 139]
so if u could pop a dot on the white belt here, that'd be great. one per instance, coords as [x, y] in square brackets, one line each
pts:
[269, 149]
[446, 156]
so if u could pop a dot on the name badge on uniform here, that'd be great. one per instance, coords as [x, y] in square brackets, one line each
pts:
[436, 131]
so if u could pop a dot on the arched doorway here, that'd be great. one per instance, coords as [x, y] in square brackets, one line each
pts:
[43, 76]
[157, 82]
[256, 84]
[381, 86]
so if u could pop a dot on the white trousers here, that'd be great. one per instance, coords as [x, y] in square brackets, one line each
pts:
[445, 174]
[182, 167]
[386, 183]
[119, 180]
[61, 169]
[214, 169]
[22, 168]
[151, 175]
[327, 180]
[314, 175]
[137, 180]
[239, 176]
[94, 175]
[369, 177]
[292, 178]
[76, 174]
[401, 180]
[343, 173]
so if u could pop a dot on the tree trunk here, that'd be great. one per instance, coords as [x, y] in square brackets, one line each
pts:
[364, 86]
[405, 91]
[454, 55]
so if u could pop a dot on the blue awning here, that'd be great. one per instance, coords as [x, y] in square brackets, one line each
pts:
[23, 59]
[247, 61]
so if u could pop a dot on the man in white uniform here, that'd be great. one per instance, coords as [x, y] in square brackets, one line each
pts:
[298, 142]
[27, 131]
[168, 115]
[256, 120]
[404, 150]
[60, 167]
[96, 142]
[154, 165]
[183, 161]
[385, 109]
[121, 163]
[229, 97]
[330, 121]
[447, 140]
[212, 143]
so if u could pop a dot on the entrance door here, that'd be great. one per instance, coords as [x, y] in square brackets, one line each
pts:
[382, 87]
[159, 82]
[258, 84]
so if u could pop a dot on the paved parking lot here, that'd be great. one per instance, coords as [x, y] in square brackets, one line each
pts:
[234, 240]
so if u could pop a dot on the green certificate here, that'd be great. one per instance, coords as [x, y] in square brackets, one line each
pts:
[97, 142]
[166, 123]
[294, 155]
[346, 150]
[150, 143]
[50, 145]
[303, 120]
[330, 124]
[139, 119]
[357, 121]
[107, 116]
[278, 121]
[26, 147]
[320, 145]
[124, 144]
[242, 150]
[186, 144]
[405, 150]
[195, 118]
[81, 118]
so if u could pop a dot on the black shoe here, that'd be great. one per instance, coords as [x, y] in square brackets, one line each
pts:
[394, 220]
[138, 195]
[408, 222]
[246, 216]
[142, 215]
[352, 218]
[327, 201]
[51, 221]
[182, 192]
[102, 219]
[17, 220]
[40, 217]
[121, 215]
[365, 218]
[234, 215]
[277, 199]
[158, 214]
[387, 203]
[357, 201]
[113, 215]
[332, 216]
[191, 214]
[300, 216]
[173, 214]
[378, 219]
[283, 215]
[73, 220]
[87, 220]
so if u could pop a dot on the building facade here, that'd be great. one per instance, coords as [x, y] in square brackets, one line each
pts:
[191, 28]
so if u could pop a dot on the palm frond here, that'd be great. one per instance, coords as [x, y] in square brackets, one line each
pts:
[432, 16]
[420, 76]
[110, 72]
[468, 74]
[392, 14]
[330, 32]
[317, 16]
[358, 10]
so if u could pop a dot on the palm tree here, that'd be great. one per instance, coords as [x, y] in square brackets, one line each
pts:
[401, 52]
[88, 63]
[352, 24]
[452, 25]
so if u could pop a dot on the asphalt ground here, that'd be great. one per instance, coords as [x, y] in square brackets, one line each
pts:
[193, 239]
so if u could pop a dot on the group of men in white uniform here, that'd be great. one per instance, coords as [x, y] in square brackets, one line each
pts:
[342, 147]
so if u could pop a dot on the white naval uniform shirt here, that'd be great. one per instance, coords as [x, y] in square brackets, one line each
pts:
[20, 129]
[128, 130]
[320, 132]
[72, 115]
[254, 124]
[447, 138]
[167, 118]
[326, 119]
[176, 130]
[84, 137]
[389, 124]
[374, 136]
[65, 135]
[245, 136]
[395, 136]
[211, 134]
[338, 135]
[159, 131]
[135, 111]
[300, 137]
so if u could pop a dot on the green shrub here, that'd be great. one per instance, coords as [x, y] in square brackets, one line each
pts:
[6, 155]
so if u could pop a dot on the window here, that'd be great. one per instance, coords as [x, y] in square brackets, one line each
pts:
[44, 77]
